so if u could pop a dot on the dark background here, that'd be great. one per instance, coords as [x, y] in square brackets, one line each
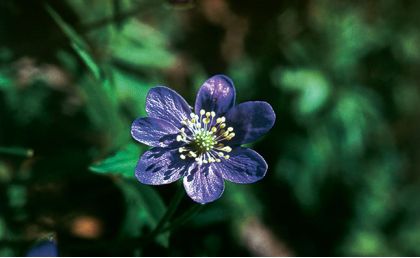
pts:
[342, 76]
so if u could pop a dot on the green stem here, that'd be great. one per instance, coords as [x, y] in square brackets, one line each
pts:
[183, 218]
[169, 212]
[17, 151]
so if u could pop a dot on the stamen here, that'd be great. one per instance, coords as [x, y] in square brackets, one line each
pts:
[192, 154]
[202, 142]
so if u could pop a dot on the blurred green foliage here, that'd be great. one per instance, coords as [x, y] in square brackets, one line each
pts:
[342, 76]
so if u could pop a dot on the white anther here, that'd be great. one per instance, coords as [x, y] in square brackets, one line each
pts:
[182, 156]
[227, 149]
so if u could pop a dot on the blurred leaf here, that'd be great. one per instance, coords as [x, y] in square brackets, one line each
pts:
[348, 33]
[138, 44]
[67, 29]
[16, 195]
[104, 115]
[3, 229]
[122, 163]
[241, 201]
[80, 46]
[132, 91]
[367, 243]
[312, 87]
[145, 209]
[5, 173]
[242, 72]
[16, 151]
[408, 236]
[7, 252]
[409, 46]
[89, 61]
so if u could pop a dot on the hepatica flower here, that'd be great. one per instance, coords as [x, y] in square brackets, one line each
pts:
[201, 146]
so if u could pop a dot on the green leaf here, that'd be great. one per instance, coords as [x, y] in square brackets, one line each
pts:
[144, 209]
[311, 85]
[79, 45]
[139, 44]
[131, 91]
[122, 163]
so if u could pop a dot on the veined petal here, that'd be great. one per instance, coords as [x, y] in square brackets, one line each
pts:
[166, 104]
[154, 132]
[250, 120]
[203, 184]
[216, 94]
[244, 166]
[160, 166]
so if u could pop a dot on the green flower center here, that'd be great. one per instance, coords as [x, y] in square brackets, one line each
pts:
[203, 136]
[204, 141]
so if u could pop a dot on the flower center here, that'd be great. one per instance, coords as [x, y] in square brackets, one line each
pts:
[204, 142]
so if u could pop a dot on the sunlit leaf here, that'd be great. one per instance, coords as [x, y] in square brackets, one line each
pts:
[122, 163]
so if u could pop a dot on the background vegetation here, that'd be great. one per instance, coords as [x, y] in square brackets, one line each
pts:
[342, 76]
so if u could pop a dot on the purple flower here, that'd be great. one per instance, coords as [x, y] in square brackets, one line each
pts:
[201, 147]
[46, 248]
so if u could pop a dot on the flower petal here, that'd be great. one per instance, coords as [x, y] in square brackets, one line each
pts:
[166, 104]
[203, 184]
[154, 132]
[46, 248]
[160, 166]
[250, 120]
[216, 94]
[244, 166]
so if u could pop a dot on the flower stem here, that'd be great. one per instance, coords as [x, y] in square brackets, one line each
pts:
[183, 218]
[169, 212]
[16, 151]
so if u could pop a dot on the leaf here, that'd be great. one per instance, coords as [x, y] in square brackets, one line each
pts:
[131, 91]
[312, 87]
[144, 209]
[138, 44]
[122, 163]
[79, 45]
